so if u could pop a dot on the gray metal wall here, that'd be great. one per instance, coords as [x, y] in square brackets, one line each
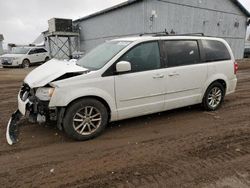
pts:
[1, 48]
[126, 21]
[212, 17]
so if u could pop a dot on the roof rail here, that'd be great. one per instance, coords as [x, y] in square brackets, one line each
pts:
[191, 34]
[165, 33]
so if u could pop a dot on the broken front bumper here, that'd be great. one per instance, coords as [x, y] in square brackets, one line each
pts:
[35, 110]
[12, 128]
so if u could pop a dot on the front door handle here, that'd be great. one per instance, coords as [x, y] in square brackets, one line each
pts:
[158, 76]
[173, 74]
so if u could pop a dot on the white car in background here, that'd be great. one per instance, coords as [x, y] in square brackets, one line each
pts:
[24, 57]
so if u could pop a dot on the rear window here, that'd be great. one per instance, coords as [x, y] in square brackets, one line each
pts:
[181, 53]
[215, 51]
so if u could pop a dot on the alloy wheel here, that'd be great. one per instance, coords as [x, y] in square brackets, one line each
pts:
[87, 120]
[215, 97]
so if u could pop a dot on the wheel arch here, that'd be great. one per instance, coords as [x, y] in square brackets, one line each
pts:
[100, 99]
[64, 97]
[25, 59]
[219, 80]
[222, 82]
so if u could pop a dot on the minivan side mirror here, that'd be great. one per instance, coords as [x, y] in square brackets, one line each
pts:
[123, 66]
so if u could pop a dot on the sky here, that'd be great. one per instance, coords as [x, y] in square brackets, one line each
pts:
[22, 21]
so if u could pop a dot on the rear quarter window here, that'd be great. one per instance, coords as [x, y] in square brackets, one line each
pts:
[41, 50]
[215, 51]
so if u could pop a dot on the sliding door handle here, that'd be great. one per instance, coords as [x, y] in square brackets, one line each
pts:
[173, 74]
[158, 76]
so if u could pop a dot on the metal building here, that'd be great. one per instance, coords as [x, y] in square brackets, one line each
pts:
[1, 44]
[227, 19]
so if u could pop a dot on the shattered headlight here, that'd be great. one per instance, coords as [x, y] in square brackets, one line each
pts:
[44, 93]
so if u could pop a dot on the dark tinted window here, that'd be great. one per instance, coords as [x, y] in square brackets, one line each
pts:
[181, 53]
[143, 57]
[41, 50]
[215, 51]
[247, 50]
[33, 51]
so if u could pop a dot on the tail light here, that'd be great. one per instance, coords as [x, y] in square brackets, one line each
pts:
[236, 67]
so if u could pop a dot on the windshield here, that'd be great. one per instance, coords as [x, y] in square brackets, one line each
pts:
[101, 55]
[20, 50]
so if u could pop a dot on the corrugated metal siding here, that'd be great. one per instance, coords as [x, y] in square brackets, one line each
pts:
[247, 44]
[192, 19]
[211, 17]
[216, 5]
[1, 48]
[122, 22]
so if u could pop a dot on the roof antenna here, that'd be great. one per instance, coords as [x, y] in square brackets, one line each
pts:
[172, 32]
[166, 32]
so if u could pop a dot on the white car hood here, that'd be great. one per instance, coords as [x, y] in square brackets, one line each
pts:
[50, 71]
[12, 55]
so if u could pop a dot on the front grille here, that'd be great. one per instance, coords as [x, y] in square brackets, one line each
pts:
[6, 61]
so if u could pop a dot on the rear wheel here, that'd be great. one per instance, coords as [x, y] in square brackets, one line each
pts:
[26, 63]
[214, 96]
[85, 119]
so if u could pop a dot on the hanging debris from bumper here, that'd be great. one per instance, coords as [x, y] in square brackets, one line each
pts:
[12, 131]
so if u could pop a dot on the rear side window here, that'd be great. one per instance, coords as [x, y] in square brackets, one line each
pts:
[181, 53]
[144, 57]
[215, 51]
[33, 51]
[41, 50]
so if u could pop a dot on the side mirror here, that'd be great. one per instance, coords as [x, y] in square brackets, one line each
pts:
[123, 66]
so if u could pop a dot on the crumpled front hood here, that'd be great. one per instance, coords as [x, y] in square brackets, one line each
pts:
[50, 71]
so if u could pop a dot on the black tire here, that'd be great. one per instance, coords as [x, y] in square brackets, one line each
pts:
[46, 59]
[25, 64]
[217, 98]
[79, 107]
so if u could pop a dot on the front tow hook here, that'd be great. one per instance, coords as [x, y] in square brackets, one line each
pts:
[12, 131]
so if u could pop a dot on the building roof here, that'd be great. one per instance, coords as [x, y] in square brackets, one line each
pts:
[129, 2]
[121, 5]
[242, 8]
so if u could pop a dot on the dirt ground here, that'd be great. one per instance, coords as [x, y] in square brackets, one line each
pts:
[181, 148]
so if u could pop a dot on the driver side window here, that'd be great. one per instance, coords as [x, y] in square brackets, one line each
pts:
[32, 51]
[144, 57]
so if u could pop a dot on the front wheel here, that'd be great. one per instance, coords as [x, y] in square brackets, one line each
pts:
[85, 119]
[26, 63]
[214, 96]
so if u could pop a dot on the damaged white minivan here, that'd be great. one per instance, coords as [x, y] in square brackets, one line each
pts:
[126, 78]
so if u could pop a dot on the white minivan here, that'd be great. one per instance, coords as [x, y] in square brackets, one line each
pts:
[126, 78]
